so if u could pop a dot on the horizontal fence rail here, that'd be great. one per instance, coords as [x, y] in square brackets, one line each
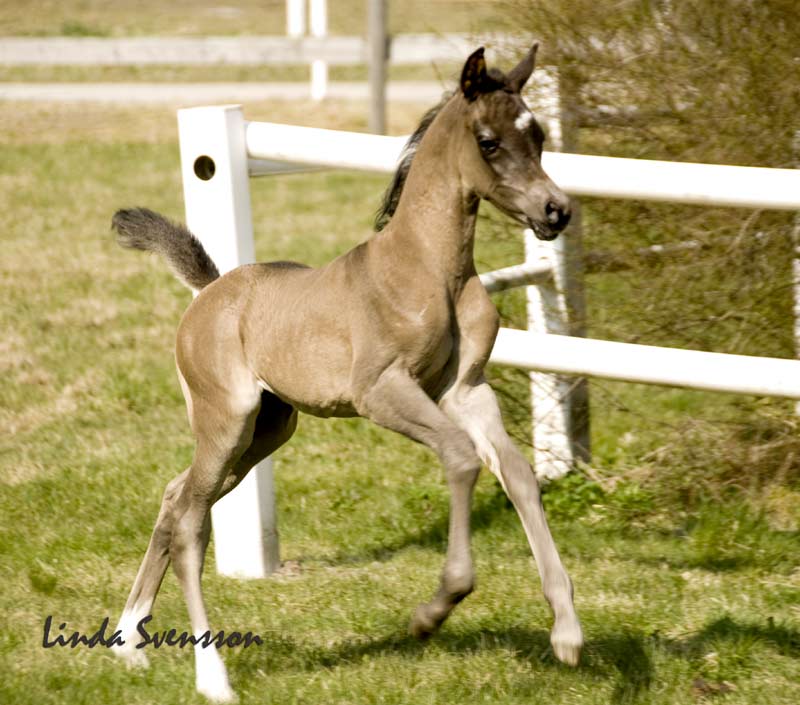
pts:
[516, 275]
[648, 364]
[312, 146]
[578, 174]
[676, 182]
[253, 50]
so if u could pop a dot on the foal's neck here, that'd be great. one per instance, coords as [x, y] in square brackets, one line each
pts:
[434, 224]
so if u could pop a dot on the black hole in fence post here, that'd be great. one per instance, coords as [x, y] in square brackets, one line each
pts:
[204, 168]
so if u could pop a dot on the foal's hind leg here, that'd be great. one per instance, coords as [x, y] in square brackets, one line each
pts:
[223, 434]
[229, 442]
[148, 579]
[398, 403]
[475, 409]
[274, 425]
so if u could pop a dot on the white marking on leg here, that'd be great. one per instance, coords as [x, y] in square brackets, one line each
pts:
[469, 415]
[479, 415]
[133, 657]
[483, 447]
[523, 121]
[211, 678]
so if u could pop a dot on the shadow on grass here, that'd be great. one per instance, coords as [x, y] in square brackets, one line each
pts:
[769, 549]
[623, 659]
[711, 563]
[485, 511]
[785, 640]
[626, 655]
[283, 652]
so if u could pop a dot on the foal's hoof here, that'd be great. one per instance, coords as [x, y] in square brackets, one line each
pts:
[567, 642]
[423, 624]
[216, 691]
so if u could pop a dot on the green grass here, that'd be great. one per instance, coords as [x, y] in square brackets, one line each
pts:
[683, 598]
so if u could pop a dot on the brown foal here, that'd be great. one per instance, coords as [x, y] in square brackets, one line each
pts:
[397, 330]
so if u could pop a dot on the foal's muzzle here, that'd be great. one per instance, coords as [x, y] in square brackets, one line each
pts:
[556, 217]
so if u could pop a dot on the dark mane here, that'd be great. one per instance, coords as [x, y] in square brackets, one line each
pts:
[392, 195]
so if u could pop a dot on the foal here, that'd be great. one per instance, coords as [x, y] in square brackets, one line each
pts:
[397, 330]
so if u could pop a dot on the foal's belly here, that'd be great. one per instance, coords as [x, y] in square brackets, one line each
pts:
[309, 369]
[326, 380]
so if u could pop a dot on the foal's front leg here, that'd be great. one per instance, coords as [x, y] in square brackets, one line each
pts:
[397, 402]
[474, 408]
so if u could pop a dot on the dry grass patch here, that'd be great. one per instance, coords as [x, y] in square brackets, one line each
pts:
[57, 123]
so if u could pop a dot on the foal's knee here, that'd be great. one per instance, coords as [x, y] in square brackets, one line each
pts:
[460, 459]
[187, 534]
[173, 488]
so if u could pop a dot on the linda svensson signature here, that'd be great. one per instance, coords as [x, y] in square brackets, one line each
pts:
[168, 637]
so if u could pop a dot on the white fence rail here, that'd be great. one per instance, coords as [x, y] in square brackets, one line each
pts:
[648, 364]
[405, 49]
[219, 151]
[578, 174]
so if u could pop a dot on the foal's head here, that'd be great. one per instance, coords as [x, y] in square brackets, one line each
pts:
[501, 160]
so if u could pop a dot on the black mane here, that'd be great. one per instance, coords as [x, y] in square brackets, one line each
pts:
[392, 195]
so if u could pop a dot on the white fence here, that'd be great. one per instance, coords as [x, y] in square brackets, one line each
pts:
[220, 151]
[266, 50]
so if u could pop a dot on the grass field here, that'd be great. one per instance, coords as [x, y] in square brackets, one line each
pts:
[682, 601]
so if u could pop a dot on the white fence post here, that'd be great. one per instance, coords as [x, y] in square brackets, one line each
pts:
[217, 198]
[548, 311]
[295, 18]
[318, 25]
[796, 263]
[572, 261]
[316, 20]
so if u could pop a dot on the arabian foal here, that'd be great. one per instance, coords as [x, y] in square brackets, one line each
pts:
[397, 330]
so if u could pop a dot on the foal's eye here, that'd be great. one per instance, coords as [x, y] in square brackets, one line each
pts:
[488, 145]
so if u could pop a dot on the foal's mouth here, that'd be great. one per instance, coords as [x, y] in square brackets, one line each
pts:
[542, 231]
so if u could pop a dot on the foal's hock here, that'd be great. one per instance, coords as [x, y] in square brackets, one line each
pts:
[397, 330]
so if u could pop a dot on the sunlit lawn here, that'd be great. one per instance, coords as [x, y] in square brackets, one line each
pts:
[677, 606]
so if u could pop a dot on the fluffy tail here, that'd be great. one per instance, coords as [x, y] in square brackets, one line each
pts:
[142, 229]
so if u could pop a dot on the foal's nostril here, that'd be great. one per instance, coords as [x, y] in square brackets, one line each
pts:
[557, 216]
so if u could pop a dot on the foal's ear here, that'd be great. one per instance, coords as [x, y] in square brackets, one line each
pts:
[473, 76]
[519, 75]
